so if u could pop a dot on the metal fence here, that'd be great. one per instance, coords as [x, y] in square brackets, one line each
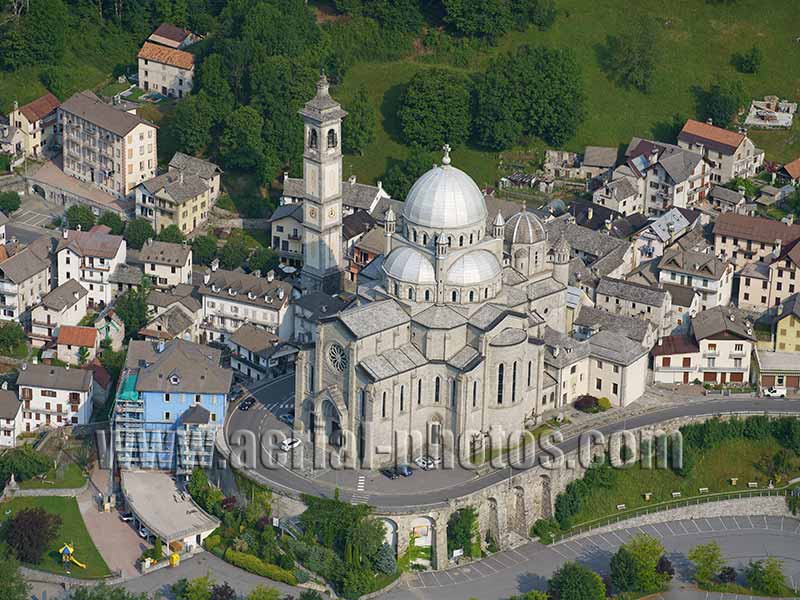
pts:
[668, 505]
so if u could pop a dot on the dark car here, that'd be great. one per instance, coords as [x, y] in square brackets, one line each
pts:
[405, 470]
[392, 473]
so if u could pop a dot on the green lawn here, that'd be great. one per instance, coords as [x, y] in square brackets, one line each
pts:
[698, 39]
[72, 477]
[72, 531]
[113, 89]
[735, 458]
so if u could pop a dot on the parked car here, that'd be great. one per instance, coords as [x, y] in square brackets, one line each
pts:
[126, 517]
[774, 392]
[405, 470]
[391, 473]
[427, 462]
[288, 418]
[144, 533]
[287, 445]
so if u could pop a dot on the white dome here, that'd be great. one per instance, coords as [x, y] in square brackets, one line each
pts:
[473, 268]
[445, 198]
[524, 228]
[407, 265]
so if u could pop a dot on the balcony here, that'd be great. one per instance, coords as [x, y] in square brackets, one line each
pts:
[737, 354]
[711, 354]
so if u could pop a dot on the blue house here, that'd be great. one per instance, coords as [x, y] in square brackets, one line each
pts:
[170, 404]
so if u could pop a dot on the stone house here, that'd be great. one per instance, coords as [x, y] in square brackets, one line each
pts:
[10, 417]
[25, 278]
[37, 122]
[632, 299]
[786, 329]
[72, 339]
[167, 264]
[209, 172]
[174, 198]
[729, 154]
[167, 71]
[287, 234]
[65, 305]
[744, 239]
[661, 233]
[710, 276]
[54, 396]
[90, 257]
[777, 369]
[172, 36]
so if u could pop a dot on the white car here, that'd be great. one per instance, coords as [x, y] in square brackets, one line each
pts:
[427, 462]
[144, 533]
[287, 445]
[774, 392]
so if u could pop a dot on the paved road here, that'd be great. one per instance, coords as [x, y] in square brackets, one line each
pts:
[437, 487]
[528, 567]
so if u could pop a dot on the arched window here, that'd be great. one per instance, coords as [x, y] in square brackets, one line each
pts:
[530, 370]
[514, 383]
[402, 398]
[452, 392]
[471, 296]
[424, 239]
[470, 237]
[485, 292]
[419, 391]
[427, 295]
[410, 293]
[536, 258]
[312, 139]
[461, 241]
[474, 394]
[500, 369]
[362, 410]
[415, 236]
[332, 141]
[449, 241]
[454, 295]
[437, 386]
[383, 406]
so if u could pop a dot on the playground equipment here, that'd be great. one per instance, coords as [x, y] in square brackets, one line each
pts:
[68, 555]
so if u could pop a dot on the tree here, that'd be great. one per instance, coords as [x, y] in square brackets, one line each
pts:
[434, 109]
[171, 234]
[113, 221]
[665, 567]
[385, 560]
[24, 462]
[9, 202]
[262, 592]
[204, 249]
[191, 123]
[630, 57]
[198, 589]
[541, 13]
[83, 355]
[240, 145]
[80, 216]
[307, 595]
[721, 102]
[401, 175]
[14, 585]
[727, 575]
[358, 129]
[462, 531]
[214, 85]
[707, 559]
[44, 31]
[103, 592]
[12, 336]
[30, 531]
[634, 566]
[223, 591]
[233, 253]
[138, 232]
[264, 260]
[766, 576]
[535, 91]
[132, 308]
[576, 582]
[478, 18]
[748, 62]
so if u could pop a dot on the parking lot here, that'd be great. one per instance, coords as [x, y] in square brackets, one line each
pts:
[32, 217]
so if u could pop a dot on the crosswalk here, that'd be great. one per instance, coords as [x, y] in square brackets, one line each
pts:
[360, 496]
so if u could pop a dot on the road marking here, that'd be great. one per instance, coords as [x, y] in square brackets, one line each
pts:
[554, 549]
[693, 522]
[782, 518]
[668, 527]
[614, 533]
[522, 557]
[709, 525]
[752, 526]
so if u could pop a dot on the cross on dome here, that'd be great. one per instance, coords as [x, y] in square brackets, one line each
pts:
[446, 158]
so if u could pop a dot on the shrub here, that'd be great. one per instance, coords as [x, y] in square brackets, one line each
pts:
[587, 403]
[385, 561]
[357, 582]
[603, 404]
[9, 201]
[212, 542]
[727, 575]
[545, 530]
[300, 575]
[255, 565]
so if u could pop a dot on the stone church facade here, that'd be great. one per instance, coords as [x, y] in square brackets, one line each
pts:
[450, 348]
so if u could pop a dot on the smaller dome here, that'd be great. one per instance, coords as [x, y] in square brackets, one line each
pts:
[407, 265]
[524, 228]
[473, 268]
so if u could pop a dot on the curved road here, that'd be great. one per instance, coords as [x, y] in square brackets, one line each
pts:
[435, 488]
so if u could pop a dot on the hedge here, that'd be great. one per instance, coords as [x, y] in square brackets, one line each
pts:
[212, 542]
[255, 565]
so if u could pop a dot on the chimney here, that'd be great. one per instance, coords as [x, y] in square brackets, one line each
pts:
[351, 180]
[5, 385]
[590, 213]
[35, 360]
[160, 347]
[709, 121]
[149, 242]
[214, 265]
[653, 155]
[78, 228]
[776, 251]
[16, 105]
[281, 293]
[180, 177]
[65, 234]
[256, 273]
[77, 295]
[207, 277]
[660, 341]
[24, 366]
[66, 366]
[380, 185]
[270, 275]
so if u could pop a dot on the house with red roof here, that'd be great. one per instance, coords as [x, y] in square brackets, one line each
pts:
[791, 172]
[37, 121]
[71, 339]
[730, 154]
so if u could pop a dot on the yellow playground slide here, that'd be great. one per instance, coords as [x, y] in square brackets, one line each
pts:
[68, 555]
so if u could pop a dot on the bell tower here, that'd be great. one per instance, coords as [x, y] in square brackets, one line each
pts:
[322, 180]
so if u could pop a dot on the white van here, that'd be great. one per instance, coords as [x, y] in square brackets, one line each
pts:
[774, 392]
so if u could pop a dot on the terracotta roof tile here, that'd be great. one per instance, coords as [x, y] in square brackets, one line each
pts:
[166, 56]
[171, 32]
[714, 137]
[77, 336]
[40, 108]
[757, 229]
[675, 344]
[793, 168]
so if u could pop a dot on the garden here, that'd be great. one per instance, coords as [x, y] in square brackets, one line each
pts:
[35, 530]
[717, 456]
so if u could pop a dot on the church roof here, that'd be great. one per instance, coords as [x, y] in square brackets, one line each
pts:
[372, 318]
[393, 362]
[439, 317]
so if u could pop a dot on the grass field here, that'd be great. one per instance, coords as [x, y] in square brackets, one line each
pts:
[72, 477]
[698, 39]
[72, 531]
[735, 458]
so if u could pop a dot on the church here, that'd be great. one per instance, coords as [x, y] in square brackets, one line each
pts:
[460, 337]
